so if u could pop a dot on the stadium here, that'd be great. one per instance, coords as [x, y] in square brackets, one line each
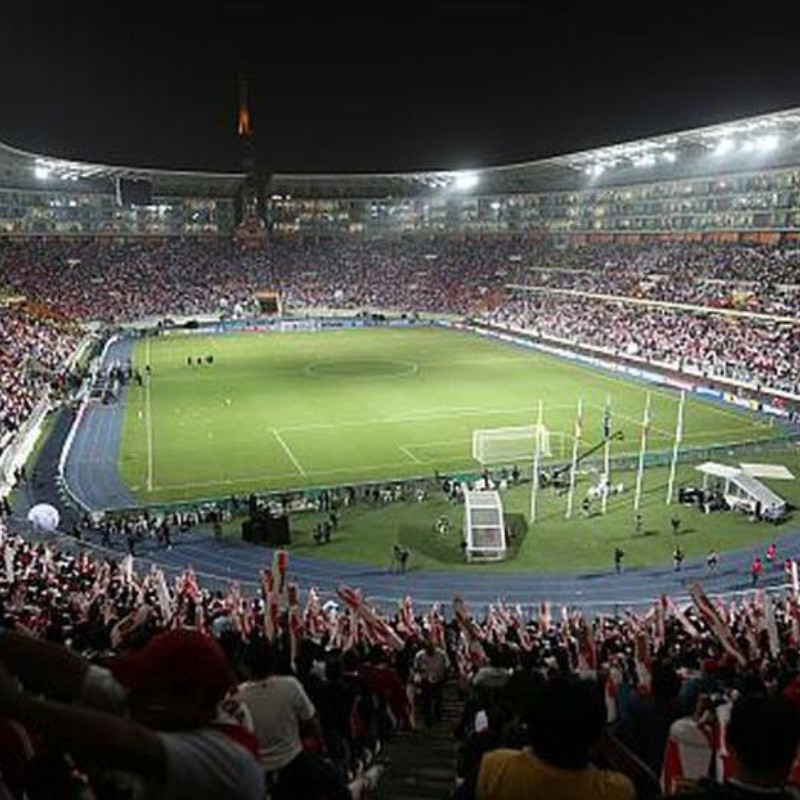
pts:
[566, 384]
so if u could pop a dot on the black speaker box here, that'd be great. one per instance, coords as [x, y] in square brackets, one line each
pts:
[270, 531]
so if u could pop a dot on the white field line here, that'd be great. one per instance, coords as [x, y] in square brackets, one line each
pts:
[310, 473]
[227, 481]
[673, 395]
[726, 432]
[671, 434]
[407, 417]
[410, 455]
[148, 420]
[287, 450]
[440, 443]
[632, 420]
[403, 415]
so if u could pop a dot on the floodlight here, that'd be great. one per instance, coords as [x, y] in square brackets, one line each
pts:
[669, 156]
[465, 180]
[41, 173]
[768, 142]
[645, 161]
[724, 146]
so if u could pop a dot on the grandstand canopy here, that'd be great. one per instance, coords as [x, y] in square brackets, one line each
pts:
[20, 169]
[750, 144]
[746, 145]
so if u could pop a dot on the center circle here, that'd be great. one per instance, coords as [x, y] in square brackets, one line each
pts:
[361, 368]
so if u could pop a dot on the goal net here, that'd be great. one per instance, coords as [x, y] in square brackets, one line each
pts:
[484, 529]
[501, 445]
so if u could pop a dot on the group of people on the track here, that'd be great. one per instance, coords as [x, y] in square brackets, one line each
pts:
[324, 529]
[200, 360]
[140, 531]
[756, 569]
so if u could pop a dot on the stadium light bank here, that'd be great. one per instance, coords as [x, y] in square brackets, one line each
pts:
[464, 181]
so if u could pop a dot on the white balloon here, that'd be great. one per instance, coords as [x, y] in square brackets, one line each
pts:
[44, 517]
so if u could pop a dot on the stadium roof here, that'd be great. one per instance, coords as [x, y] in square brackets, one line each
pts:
[751, 144]
[23, 170]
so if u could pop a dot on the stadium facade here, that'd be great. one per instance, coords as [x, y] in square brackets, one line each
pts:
[733, 181]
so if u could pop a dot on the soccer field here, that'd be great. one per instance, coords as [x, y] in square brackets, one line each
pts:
[293, 410]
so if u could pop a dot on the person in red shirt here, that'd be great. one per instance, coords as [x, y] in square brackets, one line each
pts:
[771, 553]
[384, 681]
[755, 570]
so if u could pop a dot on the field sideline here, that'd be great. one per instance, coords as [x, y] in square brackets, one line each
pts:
[293, 410]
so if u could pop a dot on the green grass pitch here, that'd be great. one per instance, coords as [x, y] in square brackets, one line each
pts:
[279, 411]
[292, 410]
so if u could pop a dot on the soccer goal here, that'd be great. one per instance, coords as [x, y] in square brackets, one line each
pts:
[484, 529]
[502, 445]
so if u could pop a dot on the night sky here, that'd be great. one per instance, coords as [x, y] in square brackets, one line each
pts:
[383, 87]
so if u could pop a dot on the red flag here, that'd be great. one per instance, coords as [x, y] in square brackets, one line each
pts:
[518, 623]
[661, 609]
[470, 631]
[587, 648]
[313, 616]
[295, 623]
[435, 625]
[378, 626]
[710, 615]
[642, 660]
[683, 620]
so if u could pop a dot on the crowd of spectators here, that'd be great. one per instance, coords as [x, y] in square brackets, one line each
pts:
[227, 687]
[122, 281]
[758, 353]
[34, 351]
[113, 283]
[748, 277]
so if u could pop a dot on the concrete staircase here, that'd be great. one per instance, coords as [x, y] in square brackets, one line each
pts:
[421, 764]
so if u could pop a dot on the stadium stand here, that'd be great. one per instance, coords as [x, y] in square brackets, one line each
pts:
[660, 680]
[694, 269]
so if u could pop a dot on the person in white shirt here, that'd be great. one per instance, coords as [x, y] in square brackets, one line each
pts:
[281, 711]
[430, 669]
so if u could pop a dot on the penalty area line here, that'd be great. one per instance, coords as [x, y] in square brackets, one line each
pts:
[407, 452]
[289, 453]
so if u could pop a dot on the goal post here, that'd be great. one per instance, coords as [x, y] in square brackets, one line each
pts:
[500, 445]
[484, 526]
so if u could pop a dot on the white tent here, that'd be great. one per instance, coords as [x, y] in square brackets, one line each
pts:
[776, 472]
[743, 491]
